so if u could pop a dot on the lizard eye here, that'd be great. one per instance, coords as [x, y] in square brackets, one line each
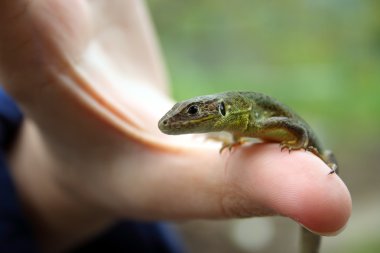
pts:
[192, 110]
[222, 109]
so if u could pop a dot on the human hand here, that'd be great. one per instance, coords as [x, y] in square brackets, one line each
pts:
[89, 78]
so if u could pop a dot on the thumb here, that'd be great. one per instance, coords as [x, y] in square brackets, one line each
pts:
[296, 185]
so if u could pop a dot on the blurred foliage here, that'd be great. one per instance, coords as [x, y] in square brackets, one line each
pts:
[320, 57]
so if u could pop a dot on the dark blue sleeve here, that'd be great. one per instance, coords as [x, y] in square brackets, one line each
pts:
[133, 236]
[10, 119]
[16, 234]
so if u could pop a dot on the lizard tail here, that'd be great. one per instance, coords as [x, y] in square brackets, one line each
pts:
[309, 241]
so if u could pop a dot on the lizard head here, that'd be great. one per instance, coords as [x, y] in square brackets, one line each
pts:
[211, 113]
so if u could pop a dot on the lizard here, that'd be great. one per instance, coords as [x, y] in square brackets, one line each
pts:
[249, 114]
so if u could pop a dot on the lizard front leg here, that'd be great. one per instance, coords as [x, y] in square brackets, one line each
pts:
[233, 142]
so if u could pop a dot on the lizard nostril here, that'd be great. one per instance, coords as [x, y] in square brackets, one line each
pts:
[165, 122]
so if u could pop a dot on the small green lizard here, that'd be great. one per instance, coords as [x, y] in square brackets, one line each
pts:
[248, 114]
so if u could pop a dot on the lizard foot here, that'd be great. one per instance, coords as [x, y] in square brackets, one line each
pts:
[229, 146]
[327, 157]
[289, 145]
[313, 150]
[331, 161]
[333, 168]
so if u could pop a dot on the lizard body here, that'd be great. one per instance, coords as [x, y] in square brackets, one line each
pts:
[248, 114]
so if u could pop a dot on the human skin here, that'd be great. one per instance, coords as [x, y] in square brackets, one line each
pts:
[89, 78]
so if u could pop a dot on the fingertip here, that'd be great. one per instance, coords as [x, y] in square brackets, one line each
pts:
[326, 207]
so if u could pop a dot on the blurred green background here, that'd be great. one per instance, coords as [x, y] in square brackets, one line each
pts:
[320, 57]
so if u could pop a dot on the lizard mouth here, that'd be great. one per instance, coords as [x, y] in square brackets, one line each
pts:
[174, 126]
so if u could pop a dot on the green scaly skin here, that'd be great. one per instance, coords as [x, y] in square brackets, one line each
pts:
[248, 114]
